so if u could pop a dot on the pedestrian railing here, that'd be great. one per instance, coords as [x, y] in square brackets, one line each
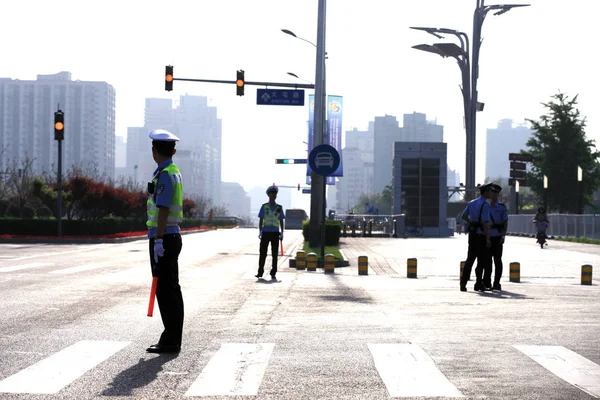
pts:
[562, 225]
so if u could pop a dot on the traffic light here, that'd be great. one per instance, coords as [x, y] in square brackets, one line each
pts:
[240, 82]
[290, 161]
[298, 187]
[169, 78]
[59, 125]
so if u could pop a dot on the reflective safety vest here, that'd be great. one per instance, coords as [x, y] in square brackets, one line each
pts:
[271, 218]
[176, 207]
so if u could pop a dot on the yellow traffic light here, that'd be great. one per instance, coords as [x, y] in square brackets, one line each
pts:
[59, 126]
[240, 82]
[169, 78]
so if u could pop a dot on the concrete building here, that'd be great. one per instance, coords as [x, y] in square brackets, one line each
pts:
[505, 138]
[416, 128]
[386, 131]
[419, 186]
[27, 118]
[236, 200]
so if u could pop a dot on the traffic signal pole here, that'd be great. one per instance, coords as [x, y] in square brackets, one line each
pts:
[273, 84]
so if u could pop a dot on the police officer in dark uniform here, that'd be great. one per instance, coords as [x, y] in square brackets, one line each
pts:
[270, 225]
[498, 228]
[477, 215]
[165, 213]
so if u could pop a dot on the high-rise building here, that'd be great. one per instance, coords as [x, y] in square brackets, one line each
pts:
[235, 199]
[385, 132]
[416, 128]
[27, 119]
[198, 151]
[504, 139]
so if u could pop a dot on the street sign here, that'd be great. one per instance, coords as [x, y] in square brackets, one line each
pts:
[324, 159]
[290, 161]
[280, 97]
[522, 182]
[518, 174]
[520, 157]
[521, 166]
[306, 191]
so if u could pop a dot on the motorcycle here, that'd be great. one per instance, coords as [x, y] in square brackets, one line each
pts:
[541, 232]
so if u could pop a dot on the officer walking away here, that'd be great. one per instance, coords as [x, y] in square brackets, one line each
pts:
[498, 229]
[477, 215]
[270, 228]
[165, 213]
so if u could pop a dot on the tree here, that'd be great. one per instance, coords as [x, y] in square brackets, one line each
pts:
[20, 184]
[559, 146]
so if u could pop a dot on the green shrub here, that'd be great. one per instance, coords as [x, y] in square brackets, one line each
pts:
[44, 212]
[333, 231]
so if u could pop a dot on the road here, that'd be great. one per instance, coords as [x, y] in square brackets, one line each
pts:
[73, 324]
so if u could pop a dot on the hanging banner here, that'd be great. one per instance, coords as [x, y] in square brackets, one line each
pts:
[334, 128]
[330, 180]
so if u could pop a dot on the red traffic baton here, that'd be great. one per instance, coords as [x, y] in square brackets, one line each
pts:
[152, 295]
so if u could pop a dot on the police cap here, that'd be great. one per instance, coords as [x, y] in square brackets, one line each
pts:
[496, 188]
[272, 188]
[161, 135]
[486, 187]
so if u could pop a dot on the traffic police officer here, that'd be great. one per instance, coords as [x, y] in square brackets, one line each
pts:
[271, 218]
[498, 228]
[477, 214]
[165, 213]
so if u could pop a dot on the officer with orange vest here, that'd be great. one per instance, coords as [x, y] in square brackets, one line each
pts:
[270, 228]
[165, 213]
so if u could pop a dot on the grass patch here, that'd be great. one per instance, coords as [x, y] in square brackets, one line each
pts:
[328, 250]
[578, 240]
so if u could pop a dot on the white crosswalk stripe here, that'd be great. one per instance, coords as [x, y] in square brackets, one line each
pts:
[408, 371]
[567, 365]
[53, 373]
[78, 268]
[237, 369]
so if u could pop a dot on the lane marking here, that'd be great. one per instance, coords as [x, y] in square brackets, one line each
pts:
[53, 373]
[567, 365]
[22, 266]
[237, 369]
[408, 371]
[78, 268]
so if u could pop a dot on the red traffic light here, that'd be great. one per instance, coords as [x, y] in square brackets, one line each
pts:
[298, 187]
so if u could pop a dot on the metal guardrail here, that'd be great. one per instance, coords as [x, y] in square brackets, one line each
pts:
[563, 225]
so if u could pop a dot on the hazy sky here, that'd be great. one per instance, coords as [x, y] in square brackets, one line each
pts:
[528, 54]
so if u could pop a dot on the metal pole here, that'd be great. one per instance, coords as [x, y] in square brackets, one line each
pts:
[477, 22]
[59, 188]
[317, 184]
[323, 222]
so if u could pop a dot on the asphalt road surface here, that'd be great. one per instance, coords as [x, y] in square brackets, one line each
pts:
[73, 323]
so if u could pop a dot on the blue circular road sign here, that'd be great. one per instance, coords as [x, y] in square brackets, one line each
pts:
[324, 159]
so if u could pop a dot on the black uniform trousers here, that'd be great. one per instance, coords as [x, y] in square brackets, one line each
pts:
[477, 251]
[496, 251]
[168, 291]
[273, 239]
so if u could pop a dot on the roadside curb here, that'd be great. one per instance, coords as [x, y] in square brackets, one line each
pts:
[85, 240]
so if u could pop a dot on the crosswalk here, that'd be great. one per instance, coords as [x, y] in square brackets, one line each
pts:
[238, 369]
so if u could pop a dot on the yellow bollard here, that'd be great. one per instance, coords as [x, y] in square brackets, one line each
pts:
[312, 262]
[411, 268]
[300, 259]
[515, 272]
[363, 265]
[329, 263]
[586, 274]
[462, 267]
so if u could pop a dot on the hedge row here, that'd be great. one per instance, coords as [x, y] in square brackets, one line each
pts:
[333, 231]
[76, 227]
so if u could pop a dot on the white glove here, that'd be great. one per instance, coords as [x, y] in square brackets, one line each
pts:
[281, 236]
[260, 234]
[159, 251]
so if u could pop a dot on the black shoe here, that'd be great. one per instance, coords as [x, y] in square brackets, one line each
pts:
[273, 278]
[497, 286]
[162, 348]
[478, 287]
[463, 288]
[258, 276]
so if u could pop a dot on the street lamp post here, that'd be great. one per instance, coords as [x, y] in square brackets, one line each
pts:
[470, 95]
[517, 196]
[546, 193]
[579, 190]
[317, 183]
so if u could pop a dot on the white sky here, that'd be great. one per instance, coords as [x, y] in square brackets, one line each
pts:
[527, 55]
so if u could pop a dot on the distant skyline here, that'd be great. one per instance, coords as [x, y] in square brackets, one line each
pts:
[527, 55]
